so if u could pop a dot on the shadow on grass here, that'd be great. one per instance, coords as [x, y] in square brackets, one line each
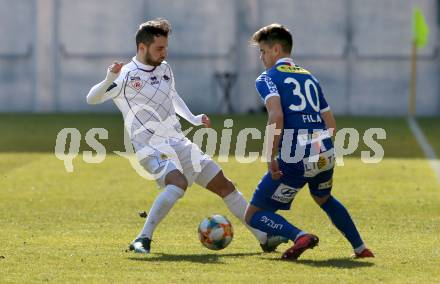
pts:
[197, 258]
[345, 262]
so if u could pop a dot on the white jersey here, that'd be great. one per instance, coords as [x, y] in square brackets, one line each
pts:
[147, 99]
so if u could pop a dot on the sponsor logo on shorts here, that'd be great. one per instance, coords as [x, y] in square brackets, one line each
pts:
[322, 162]
[325, 185]
[285, 193]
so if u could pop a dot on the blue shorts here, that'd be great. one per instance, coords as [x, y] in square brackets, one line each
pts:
[276, 195]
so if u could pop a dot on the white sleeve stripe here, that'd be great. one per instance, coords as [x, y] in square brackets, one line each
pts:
[270, 85]
[325, 109]
[271, 95]
[266, 80]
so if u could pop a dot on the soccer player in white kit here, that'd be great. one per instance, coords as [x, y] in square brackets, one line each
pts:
[144, 92]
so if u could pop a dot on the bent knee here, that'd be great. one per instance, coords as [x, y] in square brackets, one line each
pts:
[248, 216]
[177, 179]
[224, 189]
[181, 182]
[250, 212]
[320, 200]
[228, 187]
[221, 186]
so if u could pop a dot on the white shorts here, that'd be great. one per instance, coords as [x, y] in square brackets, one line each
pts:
[184, 156]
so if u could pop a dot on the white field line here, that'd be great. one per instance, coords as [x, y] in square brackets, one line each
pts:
[426, 147]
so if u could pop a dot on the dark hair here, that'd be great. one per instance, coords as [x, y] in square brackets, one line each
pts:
[274, 33]
[148, 30]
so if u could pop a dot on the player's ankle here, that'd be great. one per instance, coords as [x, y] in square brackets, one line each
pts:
[300, 234]
[359, 249]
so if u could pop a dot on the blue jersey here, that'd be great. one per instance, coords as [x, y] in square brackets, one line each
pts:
[302, 99]
[302, 103]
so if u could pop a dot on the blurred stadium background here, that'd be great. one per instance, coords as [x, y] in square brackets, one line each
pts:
[53, 51]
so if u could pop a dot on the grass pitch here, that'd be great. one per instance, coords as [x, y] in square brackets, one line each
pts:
[75, 227]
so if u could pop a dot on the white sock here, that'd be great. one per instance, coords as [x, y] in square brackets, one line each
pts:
[237, 204]
[360, 248]
[302, 233]
[161, 206]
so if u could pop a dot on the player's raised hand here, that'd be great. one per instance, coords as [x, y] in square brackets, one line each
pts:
[116, 67]
[274, 170]
[206, 121]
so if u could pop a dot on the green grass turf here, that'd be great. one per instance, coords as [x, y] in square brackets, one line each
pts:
[74, 227]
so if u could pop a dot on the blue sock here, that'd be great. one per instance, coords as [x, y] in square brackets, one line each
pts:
[342, 220]
[274, 224]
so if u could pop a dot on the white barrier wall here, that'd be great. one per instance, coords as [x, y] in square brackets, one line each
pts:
[17, 82]
[53, 51]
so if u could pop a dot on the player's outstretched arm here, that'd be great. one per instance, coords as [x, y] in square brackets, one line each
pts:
[182, 110]
[106, 89]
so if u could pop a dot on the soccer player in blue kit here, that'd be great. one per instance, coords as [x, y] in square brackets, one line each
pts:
[302, 150]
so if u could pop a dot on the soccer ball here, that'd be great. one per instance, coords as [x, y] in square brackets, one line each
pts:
[215, 232]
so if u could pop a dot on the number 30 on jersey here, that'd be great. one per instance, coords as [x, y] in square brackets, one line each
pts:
[309, 85]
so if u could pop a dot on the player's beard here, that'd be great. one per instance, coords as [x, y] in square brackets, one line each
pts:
[150, 61]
